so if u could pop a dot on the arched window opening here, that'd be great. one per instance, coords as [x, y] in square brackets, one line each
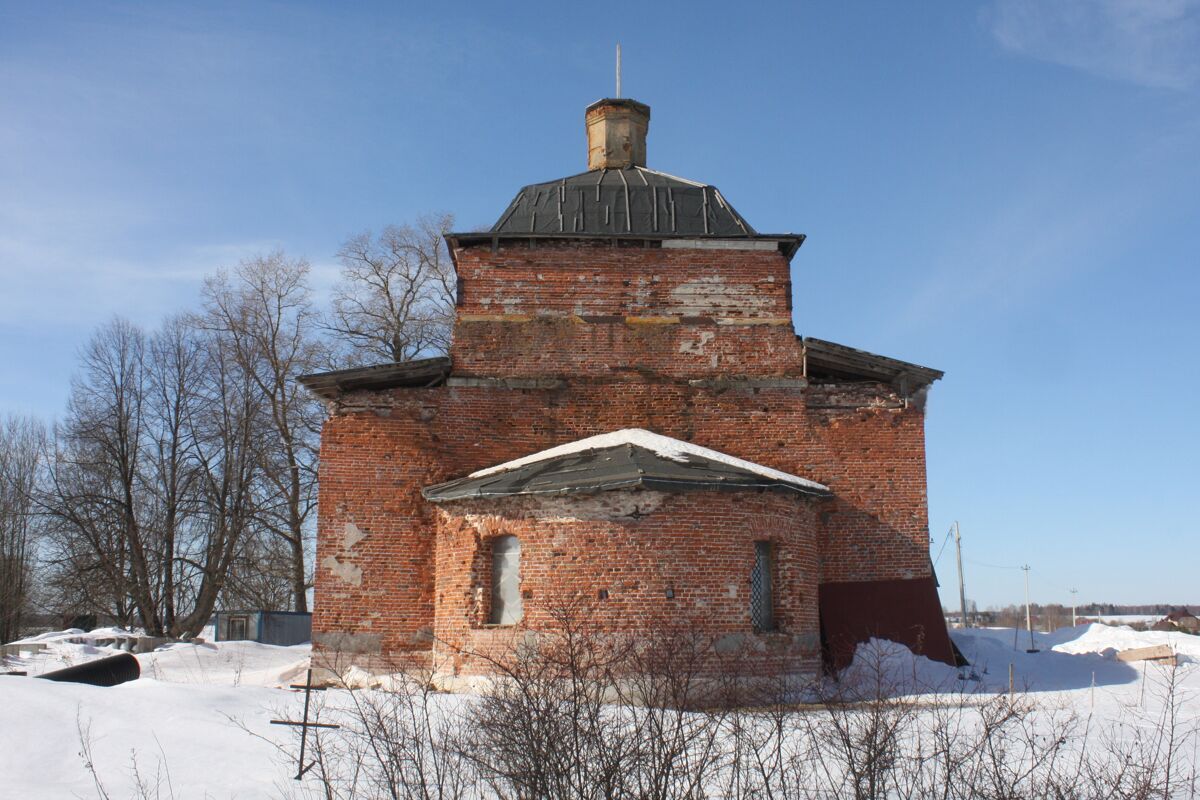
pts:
[762, 588]
[506, 581]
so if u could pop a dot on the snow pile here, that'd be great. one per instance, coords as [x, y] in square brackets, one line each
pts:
[883, 668]
[665, 446]
[227, 664]
[224, 663]
[196, 707]
[1126, 619]
[191, 732]
[1100, 638]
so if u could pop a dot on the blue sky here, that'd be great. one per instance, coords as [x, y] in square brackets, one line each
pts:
[1008, 190]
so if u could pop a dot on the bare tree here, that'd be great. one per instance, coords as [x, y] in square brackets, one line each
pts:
[175, 371]
[102, 520]
[224, 428]
[157, 476]
[262, 314]
[21, 444]
[395, 301]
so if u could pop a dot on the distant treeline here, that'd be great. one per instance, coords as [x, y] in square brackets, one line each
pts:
[1052, 616]
[1110, 609]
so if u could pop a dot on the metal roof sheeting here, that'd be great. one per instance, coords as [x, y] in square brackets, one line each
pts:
[622, 202]
[623, 466]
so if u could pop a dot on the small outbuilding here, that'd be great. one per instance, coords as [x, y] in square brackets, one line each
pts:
[1179, 620]
[266, 627]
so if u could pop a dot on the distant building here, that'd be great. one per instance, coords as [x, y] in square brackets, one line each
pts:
[1179, 620]
[265, 627]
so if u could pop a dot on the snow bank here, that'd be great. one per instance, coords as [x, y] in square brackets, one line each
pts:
[185, 716]
[164, 727]
[223, 664]
[199, 710]
[882, 668]
[1099, 638]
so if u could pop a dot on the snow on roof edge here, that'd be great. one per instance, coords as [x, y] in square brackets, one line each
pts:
[665, 446]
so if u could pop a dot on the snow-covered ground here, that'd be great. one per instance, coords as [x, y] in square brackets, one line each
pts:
[198, 720]
[179, 721]
[1126, 619]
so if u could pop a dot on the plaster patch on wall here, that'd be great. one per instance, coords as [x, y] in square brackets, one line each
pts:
[344, 570]
[712, 295]
[697, 347]
[352, 535]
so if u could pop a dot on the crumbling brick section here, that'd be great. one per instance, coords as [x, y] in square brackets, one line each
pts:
[600, 310]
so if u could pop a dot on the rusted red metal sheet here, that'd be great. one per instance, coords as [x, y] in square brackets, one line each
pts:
[904, 611]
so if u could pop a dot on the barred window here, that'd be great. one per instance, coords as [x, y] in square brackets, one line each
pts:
[762, 588]
[506, 581]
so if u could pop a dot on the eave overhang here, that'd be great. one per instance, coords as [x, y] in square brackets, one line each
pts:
[788, 243]
[413, 374]
[837, 361]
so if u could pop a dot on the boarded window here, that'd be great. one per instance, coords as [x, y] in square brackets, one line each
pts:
[506, 581]
[762, 589]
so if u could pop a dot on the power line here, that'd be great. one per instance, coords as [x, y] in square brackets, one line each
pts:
[945, 542]
[985, 564]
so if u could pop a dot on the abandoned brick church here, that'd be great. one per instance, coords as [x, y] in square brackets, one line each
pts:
[626, 418]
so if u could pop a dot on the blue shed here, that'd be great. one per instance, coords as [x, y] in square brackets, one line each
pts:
[266, 627]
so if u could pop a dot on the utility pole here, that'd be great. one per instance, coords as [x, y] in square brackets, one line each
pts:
[962, 592]
[1028, 613]
[1073, 604]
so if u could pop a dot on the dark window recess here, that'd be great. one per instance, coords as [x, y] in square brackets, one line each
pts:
[762, 590]
[602, 594]
[506, 581]
[238, 629]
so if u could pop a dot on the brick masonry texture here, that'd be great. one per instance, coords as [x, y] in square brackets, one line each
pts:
[635, 546]
[632, 336]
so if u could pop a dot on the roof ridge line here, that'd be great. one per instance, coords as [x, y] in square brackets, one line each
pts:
[675, 177]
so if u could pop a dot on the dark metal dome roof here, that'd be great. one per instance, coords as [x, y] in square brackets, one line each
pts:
[634, 201]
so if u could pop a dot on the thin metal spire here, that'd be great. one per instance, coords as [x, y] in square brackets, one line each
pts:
[618, 69]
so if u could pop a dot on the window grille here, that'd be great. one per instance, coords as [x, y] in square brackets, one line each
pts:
[762, 600]
[506, 581]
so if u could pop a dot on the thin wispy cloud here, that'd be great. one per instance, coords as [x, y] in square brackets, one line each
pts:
[1148, 42]
[1060, 222]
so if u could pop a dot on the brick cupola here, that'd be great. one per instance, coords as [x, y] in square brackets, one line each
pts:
[616, 131]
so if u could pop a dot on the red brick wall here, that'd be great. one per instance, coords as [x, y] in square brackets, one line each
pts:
[576, 309]
[700, 544]
[375, 575]
[596, 278]
[377, 456]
